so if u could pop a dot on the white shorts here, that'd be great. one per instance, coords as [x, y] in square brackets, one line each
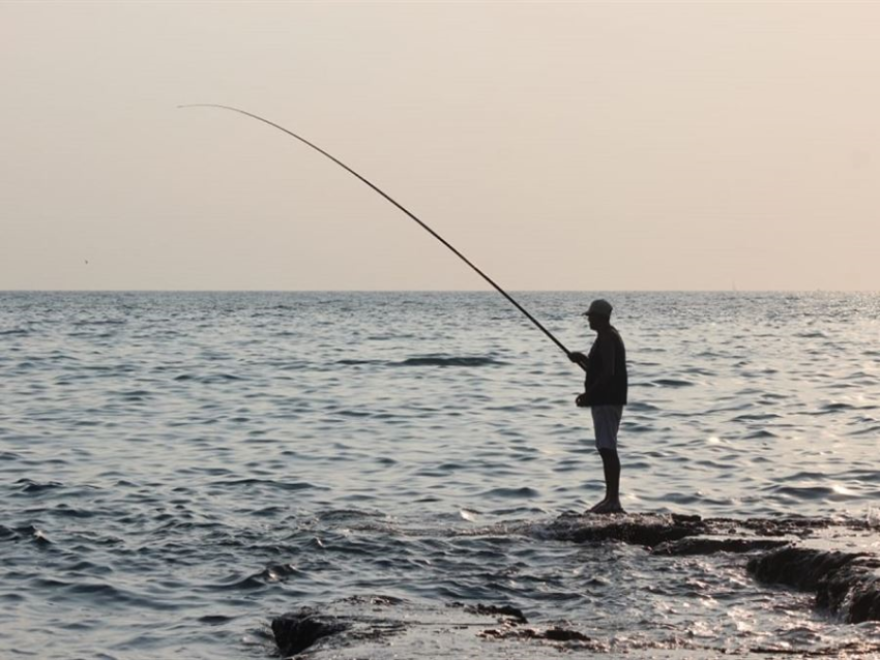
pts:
[606, 422]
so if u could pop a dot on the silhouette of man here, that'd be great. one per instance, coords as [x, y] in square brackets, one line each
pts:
[605, 395]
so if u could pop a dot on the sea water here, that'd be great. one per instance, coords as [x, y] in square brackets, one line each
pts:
[178, 468]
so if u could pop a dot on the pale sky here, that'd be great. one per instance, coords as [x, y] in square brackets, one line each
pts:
[563, 146]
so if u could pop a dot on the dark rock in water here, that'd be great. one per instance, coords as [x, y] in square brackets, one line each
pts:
[557, 634]
[845, 583]
[802, 568]
[652, 530]
[787, 526]
[636, 529]
[297, 631]
[864, 602]
[700, 545]
[365, 625]
[504, 610]
[374, 600]
[554, 634]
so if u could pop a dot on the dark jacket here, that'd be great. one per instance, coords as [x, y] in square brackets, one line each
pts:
[606, 382]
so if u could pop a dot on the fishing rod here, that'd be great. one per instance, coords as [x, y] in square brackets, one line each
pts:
[398, 205]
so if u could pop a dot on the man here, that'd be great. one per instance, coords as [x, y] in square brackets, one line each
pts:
[605, 394]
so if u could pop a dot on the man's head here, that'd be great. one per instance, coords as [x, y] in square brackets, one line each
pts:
[599, 314]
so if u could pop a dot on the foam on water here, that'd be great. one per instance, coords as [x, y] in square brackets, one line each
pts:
[179, 468]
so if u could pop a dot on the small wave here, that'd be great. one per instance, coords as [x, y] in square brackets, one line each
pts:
[804, 475]
[215, 378]
[30, 532]
[66, 511]
[354, 413]
[390, 337]
[449, 361]
[34, 487]
[97, 590]
[210, 379]
[512, 493]
[755, 417]
[100, 322]
[830, 408]
[806, 492]
[109, 370]
[427, 361]
[238, 583]
[763, 433]
[279, 572]
[671, 382]
[641, 406]
[291, 486]
[215, 619]
[134, 394]
[346, 514]
[700, 371]
[868, 430]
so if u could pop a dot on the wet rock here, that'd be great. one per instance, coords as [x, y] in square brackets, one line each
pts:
[557, 634]
[652, 530]
[803, 568]
[504, 610]
[864, 600]
[797, 552]
[845, 583]
[296, 631]
[554, 634]
[700, 545]
[365, 625]
[635, 529]
[376, 601]
[797, 526]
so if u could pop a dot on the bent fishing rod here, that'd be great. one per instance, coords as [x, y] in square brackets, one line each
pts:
[398, 205]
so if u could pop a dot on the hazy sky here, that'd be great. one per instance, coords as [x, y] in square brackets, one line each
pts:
[577, 145]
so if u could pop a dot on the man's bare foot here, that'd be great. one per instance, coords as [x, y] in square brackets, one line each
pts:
[608, 506]
[595, 508]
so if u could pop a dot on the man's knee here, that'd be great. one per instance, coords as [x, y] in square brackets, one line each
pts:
[608, 452]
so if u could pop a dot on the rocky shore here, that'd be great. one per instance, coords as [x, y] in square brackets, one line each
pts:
[835, 560]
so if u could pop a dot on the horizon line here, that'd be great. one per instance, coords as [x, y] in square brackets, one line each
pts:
[422, 291]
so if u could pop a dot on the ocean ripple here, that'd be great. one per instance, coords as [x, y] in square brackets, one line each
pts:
[180, 468]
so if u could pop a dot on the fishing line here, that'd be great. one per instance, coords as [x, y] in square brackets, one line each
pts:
[398, 205]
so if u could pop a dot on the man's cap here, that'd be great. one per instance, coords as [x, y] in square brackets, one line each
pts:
[599, 307]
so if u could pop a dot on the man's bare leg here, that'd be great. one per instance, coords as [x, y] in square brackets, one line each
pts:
[611, 467]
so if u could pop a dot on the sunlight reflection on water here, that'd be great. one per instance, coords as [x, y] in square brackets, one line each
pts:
[168, 457]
